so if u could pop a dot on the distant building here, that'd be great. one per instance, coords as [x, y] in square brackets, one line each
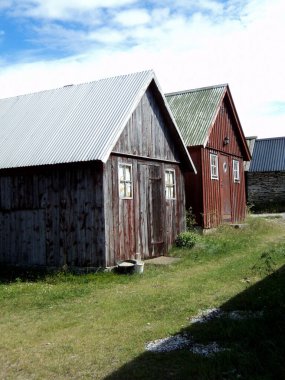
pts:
[265, 175]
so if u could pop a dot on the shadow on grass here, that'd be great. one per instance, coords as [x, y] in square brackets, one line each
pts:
[10, 274]
[255, 346]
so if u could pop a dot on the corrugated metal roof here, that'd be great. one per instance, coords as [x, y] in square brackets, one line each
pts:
[268, 155]
[71, 124]
[195, 112]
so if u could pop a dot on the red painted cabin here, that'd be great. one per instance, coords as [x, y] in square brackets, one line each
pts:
[209, 124]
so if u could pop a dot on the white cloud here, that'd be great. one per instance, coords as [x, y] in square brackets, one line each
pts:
[133, 17]
[213, 6]
[64, 9]
[106, 36]
[56, 36]
[185, 50]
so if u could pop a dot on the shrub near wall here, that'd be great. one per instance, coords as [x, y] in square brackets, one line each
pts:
[186, 239]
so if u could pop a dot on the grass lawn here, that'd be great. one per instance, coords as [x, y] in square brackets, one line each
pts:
[64, 326]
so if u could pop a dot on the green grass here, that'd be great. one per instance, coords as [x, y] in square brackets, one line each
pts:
[95, 326]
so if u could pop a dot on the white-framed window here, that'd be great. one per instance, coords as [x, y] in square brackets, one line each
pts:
[125, 181]
[170, 187]
[214, 166]
[236, 173]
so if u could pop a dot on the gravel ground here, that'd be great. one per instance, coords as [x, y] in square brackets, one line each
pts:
[186, 341]
[179, 342]
[210, 314]
[171, 343]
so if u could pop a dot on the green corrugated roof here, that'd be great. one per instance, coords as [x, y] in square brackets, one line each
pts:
[195, 112]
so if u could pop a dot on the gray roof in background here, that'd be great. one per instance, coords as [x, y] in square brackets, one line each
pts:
[73, 123]
[268, 155]
[195, 112]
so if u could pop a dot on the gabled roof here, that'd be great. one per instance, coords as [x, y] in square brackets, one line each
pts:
[195, 112]
[74, 123]
[268, 155]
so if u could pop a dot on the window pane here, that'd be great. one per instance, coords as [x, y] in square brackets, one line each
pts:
[125, 181]
[121, 173]
[167, 178]
[127, 173]
[172, 178]
[128, 190]
[170, 184]
[236, 170]
[167, 193]
[122, 190]
[214, 166]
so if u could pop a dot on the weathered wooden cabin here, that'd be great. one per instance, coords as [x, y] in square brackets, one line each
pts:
[209, 124]
[265, 175]
[90, 174]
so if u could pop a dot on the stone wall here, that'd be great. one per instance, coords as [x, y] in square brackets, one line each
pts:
[266, 191]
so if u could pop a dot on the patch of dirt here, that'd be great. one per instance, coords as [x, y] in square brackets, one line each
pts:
[162, 260]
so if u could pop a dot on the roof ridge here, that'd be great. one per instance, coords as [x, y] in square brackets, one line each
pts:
[196, 89]
[78, 84]
[271, 138]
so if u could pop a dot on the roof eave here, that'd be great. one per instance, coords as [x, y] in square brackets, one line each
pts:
[246, 155]
[188, 163]
[215, 115]
[245, 149]
[183, 147]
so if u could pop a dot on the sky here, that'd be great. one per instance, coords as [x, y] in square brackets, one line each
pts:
[189, 44]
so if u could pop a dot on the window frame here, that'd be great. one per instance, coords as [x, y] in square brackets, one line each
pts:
[125, 182]
[216, 166]
[236, 171]
[171, 186]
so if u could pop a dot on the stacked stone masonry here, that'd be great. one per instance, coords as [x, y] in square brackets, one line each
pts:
[265, 189]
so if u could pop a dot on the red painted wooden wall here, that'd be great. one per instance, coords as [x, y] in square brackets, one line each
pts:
[222, 200]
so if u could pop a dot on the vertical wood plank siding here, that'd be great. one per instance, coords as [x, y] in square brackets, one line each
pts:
[211, 213]
[206, 196]
[193, 185]
[148, 223]
[72, 213]
[52, 216]
[224, 127]
[146, 134]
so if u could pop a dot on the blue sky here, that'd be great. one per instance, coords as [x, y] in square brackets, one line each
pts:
[50, 43]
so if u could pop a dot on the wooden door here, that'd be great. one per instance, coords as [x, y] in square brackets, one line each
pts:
[150, 223]
[226, 209]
